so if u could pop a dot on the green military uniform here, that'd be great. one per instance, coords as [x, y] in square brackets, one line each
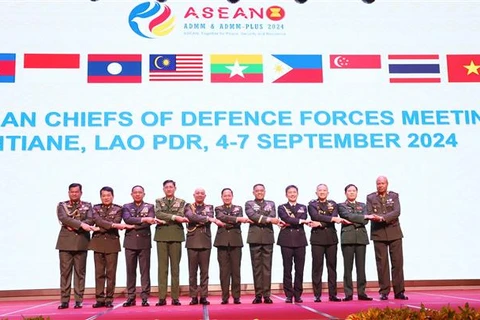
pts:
[199, 246]
[261, 239]
[106, 245]
[72, 244]
[229, 243]
[169, 238]
[354, 240]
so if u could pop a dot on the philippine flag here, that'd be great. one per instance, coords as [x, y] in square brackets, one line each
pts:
[414, 68]
[114, 68]
[298, 68]
[7, 67]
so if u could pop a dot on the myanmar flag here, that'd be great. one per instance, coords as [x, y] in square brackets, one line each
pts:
[463, 67]
[236, 68]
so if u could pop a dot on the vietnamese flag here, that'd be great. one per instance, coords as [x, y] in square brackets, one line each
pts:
[51, 61]
[236, 68]
[355, 61]
[463, 67]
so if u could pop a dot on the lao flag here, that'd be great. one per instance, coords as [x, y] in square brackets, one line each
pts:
[355, 61]
[463, 67]
[7, 67]
[414, 68]
[298, 68]
[114, 68]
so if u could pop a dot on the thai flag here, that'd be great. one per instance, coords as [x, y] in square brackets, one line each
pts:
[414, 68]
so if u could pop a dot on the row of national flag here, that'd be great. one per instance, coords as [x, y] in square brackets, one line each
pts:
[248, 68]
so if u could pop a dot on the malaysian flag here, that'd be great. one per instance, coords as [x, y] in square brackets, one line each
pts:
[414, 68]
[176, 67]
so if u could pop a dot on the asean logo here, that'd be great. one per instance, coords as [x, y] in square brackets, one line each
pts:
[275, 13]
[151, 20]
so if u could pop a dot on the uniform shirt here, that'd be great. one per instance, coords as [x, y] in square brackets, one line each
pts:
[139, 237]
[199, 235]
[107, 239]
[323, 212]
[71, 215]
[166, 209]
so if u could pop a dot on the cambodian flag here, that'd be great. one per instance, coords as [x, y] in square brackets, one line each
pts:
[7, 67]
[298, 68]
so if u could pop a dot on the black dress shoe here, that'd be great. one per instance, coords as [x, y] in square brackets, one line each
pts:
[78, 305]
[401, 296]
[176, 302]
[384, 296]
[194, 301]
[63, 305]
[288, 300]
[145, 303]
[317, 299]
[204, 301]
[161, 302]
[364, 297]
[98, 304]
[237, 301]
[298, 300]
[257, 300]
[348, 298]
[267, 300]
[334, 299]
[129, 303]
[108, 304]
[224, 301]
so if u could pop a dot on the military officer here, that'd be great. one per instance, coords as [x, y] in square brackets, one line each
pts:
[106, 244]
[324, 240]
[76, 218]
[261, 239]
[354, 240]
[387, 237]
[293, 241]
[169, 238]
[199, 244]
[229, 243]
[137, 244]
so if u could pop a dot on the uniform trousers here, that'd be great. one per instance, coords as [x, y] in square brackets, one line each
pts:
[142, 257]
[229, 261]
[198, 259]
[261, 257]
[353, 252]
[382, 249]
[290, 256]
[169, 251]
[329, 252]
[105, 271]
[75, 261]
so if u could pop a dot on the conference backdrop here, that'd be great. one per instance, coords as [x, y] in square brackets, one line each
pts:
[213, 95]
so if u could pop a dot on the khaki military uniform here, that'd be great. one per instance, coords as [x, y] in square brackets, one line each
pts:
[387, 237]
[229, 243]
[72, 244]
[106, 244]
[199, 246]
[169, 238]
